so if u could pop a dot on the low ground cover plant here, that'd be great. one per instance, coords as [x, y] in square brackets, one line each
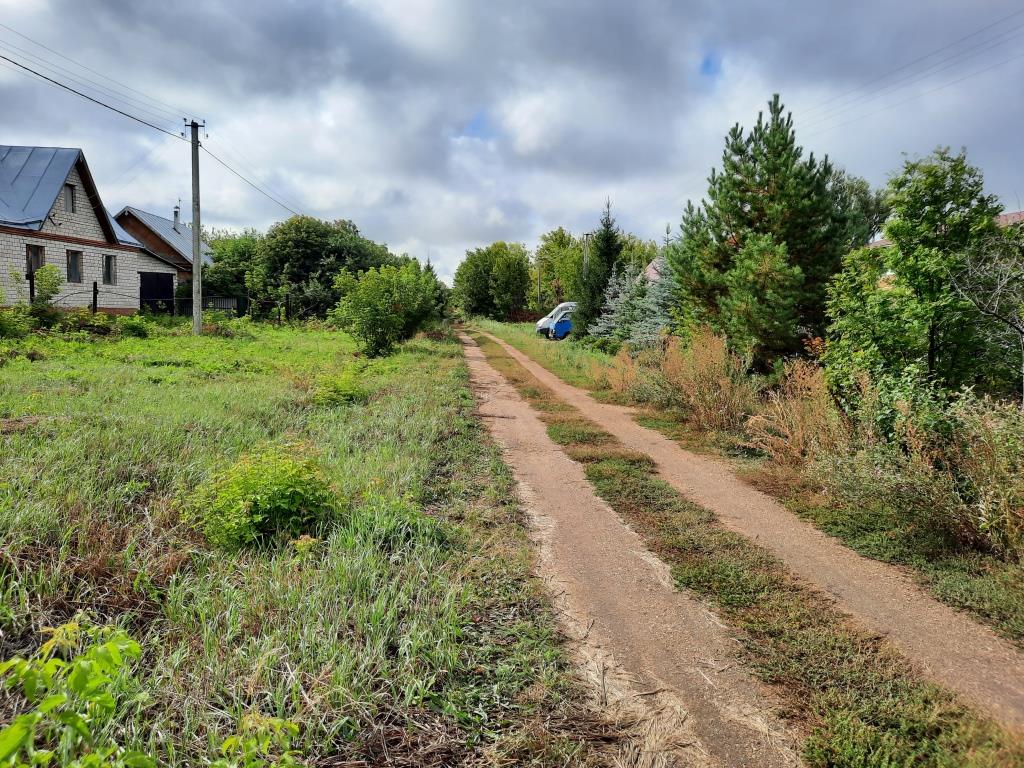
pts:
[70, 687]
[273, 493]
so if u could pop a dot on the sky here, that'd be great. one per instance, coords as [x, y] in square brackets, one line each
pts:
[442, 125]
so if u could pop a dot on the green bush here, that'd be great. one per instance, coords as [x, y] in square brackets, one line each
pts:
[382, 307]
[14, 323]
[100, 324]
[133, 325]
[343, 389]
[262, 496]
[70, 686]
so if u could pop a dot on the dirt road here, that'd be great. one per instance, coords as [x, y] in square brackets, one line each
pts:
[950, 648]
[644, 644]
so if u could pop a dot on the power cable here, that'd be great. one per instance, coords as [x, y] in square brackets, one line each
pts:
[916, 77]
[162, 115]
[916, 61]
[917, 96]
[252, 184]
[137, 119]
[173, 110]
[905, 82]
[90, 98]
[244, 161]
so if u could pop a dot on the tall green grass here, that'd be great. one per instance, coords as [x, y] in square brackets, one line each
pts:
[411, 628]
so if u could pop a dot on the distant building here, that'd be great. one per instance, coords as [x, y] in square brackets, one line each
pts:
[1003, 220]
[171, 239]
[51, 213]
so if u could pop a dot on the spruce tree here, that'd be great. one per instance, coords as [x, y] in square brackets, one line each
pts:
[754, 258]
[605, 254]
[622, 297]
[653, 311]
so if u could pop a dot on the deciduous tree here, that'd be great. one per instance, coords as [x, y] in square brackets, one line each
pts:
[896, 306]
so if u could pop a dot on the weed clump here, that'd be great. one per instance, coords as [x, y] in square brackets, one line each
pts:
[133, 325]
[343, 389]
[264, 496]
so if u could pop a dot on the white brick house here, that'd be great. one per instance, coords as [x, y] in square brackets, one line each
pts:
[51, 213]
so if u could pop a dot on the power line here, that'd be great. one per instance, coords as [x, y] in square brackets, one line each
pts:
[916, 61]
[89, 98]
[244, 161]
[250, 183]
[148, 159]
[137, 119]
[917, 77]
[80, 80]
[173, 110]
[918, 95]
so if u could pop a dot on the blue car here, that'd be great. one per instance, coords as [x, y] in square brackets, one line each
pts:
[557, 324]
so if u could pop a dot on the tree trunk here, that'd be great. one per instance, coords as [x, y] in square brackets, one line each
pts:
[931, 348]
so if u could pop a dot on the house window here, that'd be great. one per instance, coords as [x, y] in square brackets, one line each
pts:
[69, 198]
[74, 266]
[109, 269]
[35, 257]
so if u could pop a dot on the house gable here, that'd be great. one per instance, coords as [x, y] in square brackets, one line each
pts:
[152, 242]
[84, 220]
[35, 196]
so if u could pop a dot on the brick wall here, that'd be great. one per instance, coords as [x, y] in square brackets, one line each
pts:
[81, 223]
[122, 296]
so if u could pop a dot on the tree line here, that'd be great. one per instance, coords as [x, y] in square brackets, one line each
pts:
[326, 270]
[778, 257]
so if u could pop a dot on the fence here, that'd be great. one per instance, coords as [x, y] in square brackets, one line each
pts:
[172, 305]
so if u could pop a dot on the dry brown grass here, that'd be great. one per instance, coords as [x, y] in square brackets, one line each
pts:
[799, 421]
[709, 381]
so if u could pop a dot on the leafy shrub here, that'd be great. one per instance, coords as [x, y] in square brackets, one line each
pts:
[383, 306]
[70, 685]
[262, 496]
[100, 324]
[14, 323]
[48, 281]
[985, 457]
[133, 325]
[261, 742]
[343, 389]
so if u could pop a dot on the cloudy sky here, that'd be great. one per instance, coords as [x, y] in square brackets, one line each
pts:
[439, 125]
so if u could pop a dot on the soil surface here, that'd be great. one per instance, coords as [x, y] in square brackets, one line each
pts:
[948, 646]
[644, 645]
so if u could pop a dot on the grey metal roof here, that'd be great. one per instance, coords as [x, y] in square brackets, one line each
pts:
[31, 178]
[122, 237]
[179, 239]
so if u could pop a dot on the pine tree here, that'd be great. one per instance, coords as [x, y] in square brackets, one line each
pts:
[765, 188]
[605, 254]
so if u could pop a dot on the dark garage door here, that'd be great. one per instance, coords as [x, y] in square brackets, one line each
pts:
[156, 291]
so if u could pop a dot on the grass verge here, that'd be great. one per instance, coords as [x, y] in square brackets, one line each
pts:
[860, 702]
[987, 587]
[409, 633]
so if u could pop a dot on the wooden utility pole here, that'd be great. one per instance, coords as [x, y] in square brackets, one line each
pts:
[197, 239]
[538, 283]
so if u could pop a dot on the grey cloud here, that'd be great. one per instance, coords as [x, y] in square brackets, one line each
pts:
[355, 110]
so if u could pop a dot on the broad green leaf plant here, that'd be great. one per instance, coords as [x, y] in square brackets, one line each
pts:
[69, 684]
